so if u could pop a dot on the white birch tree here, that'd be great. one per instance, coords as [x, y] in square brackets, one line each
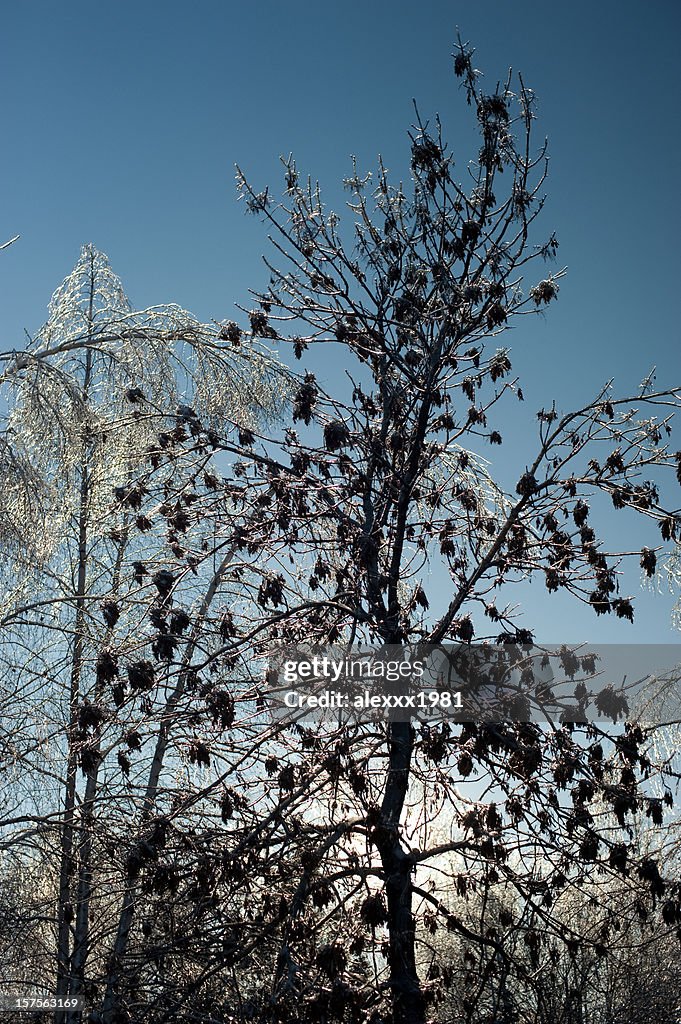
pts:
[85, 399]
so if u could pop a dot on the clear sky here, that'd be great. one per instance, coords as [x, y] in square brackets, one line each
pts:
[122, 122]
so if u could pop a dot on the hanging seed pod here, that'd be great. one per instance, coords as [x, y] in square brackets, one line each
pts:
[110, 613]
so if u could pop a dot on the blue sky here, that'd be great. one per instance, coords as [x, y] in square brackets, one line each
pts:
[122, 123]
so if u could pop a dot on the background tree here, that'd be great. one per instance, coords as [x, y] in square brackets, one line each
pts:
[86, 398]
[625, 969]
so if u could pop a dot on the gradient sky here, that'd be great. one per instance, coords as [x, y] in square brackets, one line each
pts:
[122, 123]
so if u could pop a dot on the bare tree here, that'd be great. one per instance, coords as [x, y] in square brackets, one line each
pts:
[624, 968]
[86, 398]
[379, 481]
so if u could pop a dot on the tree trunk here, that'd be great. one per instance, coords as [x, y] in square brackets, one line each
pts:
[130, 894]
[67, 864]
[81, 941]
[408, 1006]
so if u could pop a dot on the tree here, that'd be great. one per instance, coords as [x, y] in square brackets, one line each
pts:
[86, 398]
[375, 484]
[625, 970]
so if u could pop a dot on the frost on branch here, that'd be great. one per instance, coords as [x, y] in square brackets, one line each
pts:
[91, 387]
